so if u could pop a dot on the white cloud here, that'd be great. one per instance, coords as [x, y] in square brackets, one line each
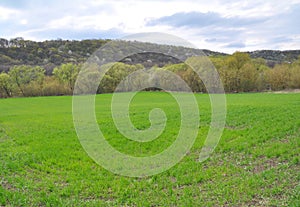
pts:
[235, 27]
[6, 13]
[24, 21]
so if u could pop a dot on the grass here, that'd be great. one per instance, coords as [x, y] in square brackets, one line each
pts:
[255, 164]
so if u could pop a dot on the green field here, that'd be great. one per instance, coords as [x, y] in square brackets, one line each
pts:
[256, 163]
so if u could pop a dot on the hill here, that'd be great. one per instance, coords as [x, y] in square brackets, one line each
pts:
[276, 56]
[52, 53]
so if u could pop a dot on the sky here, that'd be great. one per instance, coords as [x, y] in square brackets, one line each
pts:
[218, 25]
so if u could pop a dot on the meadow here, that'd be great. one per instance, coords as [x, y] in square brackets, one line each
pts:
[256, 163]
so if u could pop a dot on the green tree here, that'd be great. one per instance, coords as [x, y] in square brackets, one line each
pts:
[234, 65]
[115, 74]
[248, 78]
[295, 74]
[89, 79]
[23, 75]
[279, 77]
[67, 73]
[5, 85]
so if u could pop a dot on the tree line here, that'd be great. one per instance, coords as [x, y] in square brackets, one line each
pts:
[238, 73]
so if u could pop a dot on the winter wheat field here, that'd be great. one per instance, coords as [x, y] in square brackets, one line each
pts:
[256, 162]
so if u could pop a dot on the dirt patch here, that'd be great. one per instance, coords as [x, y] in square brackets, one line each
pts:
[257, 201]
[173, 179]
[265, 165]
[249, 163]
[7, 186]
[242, 127]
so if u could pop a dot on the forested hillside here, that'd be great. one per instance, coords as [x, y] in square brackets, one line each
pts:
[52, 53]
[51, 67]
[48, 54]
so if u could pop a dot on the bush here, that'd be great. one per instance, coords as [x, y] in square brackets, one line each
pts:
[53, 87]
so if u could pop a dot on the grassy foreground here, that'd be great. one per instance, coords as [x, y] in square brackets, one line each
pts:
[255, 164]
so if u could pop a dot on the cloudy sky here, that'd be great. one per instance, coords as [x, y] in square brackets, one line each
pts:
[220, 25]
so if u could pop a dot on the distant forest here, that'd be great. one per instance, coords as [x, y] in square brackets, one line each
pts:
[29, 68]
